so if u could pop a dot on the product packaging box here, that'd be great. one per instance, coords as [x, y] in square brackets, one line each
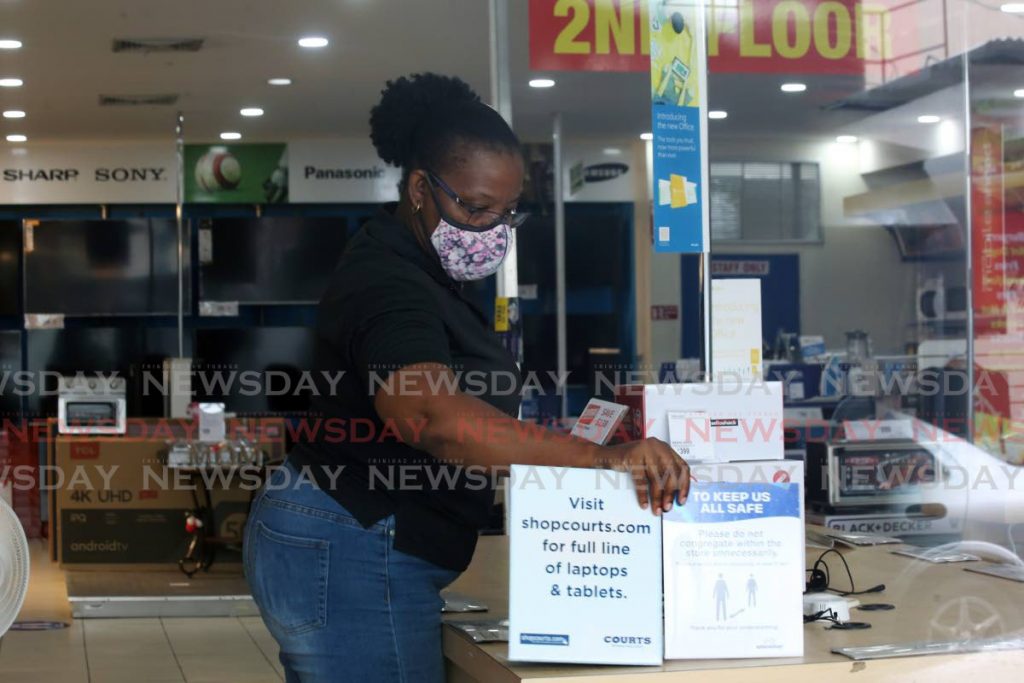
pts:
[584, 569]
[721, 421]
[734, 563]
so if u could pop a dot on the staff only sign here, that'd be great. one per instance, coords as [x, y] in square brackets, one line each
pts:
[786, 36]
[88, 174]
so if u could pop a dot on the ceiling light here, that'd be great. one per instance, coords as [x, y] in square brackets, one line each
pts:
[542, 83]
[717, 114]
[251, 112]
[1018, 93]
[16, 137]
[14, 114]
[612, 151]
[280, 81]
[10, 44]
[646, 136]
[928, 118]
[229, 135]
[846, 139]
[793, 87]
[1012, 7]
[313, 42]
[11, 83]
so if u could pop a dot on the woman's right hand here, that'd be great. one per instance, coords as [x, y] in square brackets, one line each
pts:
[661, 476]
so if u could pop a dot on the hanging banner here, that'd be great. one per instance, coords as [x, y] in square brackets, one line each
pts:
[236, 174]
[339, 171]
[988, 233]
[679, 125]
[768, 36]
[128, 173]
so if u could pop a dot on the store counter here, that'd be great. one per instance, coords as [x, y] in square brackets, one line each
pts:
[933, 603]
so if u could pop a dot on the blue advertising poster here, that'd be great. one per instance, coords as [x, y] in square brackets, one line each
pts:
[679, 126]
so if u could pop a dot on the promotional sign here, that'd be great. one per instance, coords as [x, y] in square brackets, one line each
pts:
[766, 36]
[135, 173]
[324, 171]
[988, 232]
[734, 564]
[721, 421]
[736, 328]
[236, 174]
[585, 569]
[599, 420]
[679, 125]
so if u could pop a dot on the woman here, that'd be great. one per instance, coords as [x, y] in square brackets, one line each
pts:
[347, 571]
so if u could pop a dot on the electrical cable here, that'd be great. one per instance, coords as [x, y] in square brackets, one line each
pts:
[821, 565]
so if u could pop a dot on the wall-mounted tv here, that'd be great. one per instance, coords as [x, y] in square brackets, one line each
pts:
[270, 260]
[253, 370]
[122, 267]
[10, 253]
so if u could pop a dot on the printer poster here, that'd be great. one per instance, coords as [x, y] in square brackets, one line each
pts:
[679, 126]
[734, 564]
[584, 569]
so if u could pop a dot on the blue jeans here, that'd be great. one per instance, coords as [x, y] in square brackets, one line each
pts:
[340, 601]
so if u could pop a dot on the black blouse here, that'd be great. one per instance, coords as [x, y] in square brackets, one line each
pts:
[390, 304]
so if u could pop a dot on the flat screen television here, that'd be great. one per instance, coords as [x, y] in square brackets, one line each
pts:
[122, 267]
[10, 364]
[253, 371]
[124, 350]
[10, 253]
[270, 260]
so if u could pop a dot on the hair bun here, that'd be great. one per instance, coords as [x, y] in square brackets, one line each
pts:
[405, 103]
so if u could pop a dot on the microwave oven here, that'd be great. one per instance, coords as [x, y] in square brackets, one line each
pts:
[92, 405]
[871, 473]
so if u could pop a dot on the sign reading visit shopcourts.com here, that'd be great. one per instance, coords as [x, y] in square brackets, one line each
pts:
[585, 569]
[744, 36]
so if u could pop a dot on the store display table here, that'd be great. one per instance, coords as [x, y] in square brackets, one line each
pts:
[933, 603]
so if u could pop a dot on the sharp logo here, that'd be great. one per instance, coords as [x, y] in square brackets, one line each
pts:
[120, 174]
[599, 172]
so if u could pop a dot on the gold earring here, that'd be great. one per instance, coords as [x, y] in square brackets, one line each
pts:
[418, 207]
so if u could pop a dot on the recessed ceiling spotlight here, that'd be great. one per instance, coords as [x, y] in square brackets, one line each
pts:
[251, 112]
[17, 137]
[14, 114]
[542, 83]
[280, 81]
[928, 118]
[612, 151]
[793, 87]
[846, 139]
[230, 135]
[1012, 7]
[11, 83]
[313, 42]
[717, 114]
[1018, 93]
[10, 44]
[646, 136]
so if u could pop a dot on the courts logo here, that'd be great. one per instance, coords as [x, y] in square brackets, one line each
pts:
[628, 641]
[543, 639]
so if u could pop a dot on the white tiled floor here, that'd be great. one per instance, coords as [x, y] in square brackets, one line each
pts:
[213, 650]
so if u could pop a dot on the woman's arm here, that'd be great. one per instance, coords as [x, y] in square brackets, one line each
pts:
[422, 403]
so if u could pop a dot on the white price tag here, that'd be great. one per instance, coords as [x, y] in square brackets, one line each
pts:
[690, 435]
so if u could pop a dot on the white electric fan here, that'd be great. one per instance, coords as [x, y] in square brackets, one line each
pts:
[13, 567]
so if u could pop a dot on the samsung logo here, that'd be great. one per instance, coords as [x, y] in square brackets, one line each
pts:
[608, 171]
[628, 640]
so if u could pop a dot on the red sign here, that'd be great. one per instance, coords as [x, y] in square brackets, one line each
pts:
[988, 234]
[670, 312]
[768, 36]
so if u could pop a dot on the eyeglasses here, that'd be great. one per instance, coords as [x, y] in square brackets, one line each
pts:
[480, 219]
